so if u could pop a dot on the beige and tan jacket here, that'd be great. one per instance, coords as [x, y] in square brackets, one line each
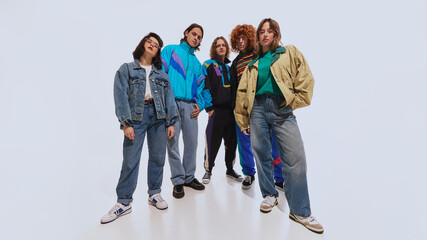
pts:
[291, 73]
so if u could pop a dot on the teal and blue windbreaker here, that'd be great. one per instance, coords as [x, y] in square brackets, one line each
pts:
[185, 74]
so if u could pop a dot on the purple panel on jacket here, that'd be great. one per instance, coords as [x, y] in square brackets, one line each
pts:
[218, 72]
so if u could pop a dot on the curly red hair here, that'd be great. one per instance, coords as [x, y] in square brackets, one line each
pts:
[245, 29]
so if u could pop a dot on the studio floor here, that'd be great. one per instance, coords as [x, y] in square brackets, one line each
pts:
[222, 211]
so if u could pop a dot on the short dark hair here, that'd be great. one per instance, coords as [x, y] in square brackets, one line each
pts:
[277, 35]
[139, 50]
[213, 53]
[193, 25]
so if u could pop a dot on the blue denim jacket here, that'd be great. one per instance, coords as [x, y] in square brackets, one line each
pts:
[129, 94]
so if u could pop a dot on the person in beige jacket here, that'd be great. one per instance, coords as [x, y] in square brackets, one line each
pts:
[273, 85]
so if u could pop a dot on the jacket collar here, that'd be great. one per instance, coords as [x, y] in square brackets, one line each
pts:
[244, 53]
[277, 53]
[276, 56]
[226, 61]
[137, 65]
[154, 69]
[187, 47]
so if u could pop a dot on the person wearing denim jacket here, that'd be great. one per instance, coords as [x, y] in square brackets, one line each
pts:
[187, 80]
[145, 105]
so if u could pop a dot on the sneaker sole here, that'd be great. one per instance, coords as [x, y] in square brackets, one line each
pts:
[206, 181]
[196, 188]
[178, 195]
[235, 179]
[280, 189]
[122, 214]
[246, 187]
[293, 218]
[153, 204]
[265, 211]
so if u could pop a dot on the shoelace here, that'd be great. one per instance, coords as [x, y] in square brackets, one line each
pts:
[159, 198]
[114, 209]
[247, 179]
[312, 220]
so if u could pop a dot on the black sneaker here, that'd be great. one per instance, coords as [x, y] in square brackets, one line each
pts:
[232, 174]
[207, 177]
[195, 184]
[279, 186]
[247, 183]
[178, 191]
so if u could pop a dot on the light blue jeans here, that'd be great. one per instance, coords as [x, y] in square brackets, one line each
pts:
[156, 138]
[267, 116]
[183, 172]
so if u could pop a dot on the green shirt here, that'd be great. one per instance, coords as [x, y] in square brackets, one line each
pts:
[266, 82]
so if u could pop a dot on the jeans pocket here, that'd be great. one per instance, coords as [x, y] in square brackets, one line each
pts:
[283, 112]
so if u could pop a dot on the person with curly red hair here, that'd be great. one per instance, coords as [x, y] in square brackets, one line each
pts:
[247, 32]
[242, 40]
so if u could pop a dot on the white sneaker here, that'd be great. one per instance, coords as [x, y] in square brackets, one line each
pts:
[268, 203]
[117, 211]
[157, 201]
[309, 222]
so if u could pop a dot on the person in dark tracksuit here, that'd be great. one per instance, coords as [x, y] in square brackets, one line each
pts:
[221, 123]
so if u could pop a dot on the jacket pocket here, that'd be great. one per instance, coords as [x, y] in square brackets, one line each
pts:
[162, 82]
[134, 85]
[161, 85]
[136, 99]
[134, 79]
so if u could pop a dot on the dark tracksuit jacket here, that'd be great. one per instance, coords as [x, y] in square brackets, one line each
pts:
[221, 124]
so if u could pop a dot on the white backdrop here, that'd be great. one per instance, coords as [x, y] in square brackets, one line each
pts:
[365, 132]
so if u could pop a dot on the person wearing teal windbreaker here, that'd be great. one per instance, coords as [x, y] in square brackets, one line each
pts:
[187, 80]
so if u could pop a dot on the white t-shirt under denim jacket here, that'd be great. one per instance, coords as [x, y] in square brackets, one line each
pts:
[148, 95]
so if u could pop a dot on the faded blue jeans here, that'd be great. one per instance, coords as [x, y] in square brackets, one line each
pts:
[183, 172]
[156, 138]
[266, 115]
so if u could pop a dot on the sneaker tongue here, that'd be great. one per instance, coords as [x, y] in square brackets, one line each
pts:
[115, 208]
[312, 220]
[269, 200]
